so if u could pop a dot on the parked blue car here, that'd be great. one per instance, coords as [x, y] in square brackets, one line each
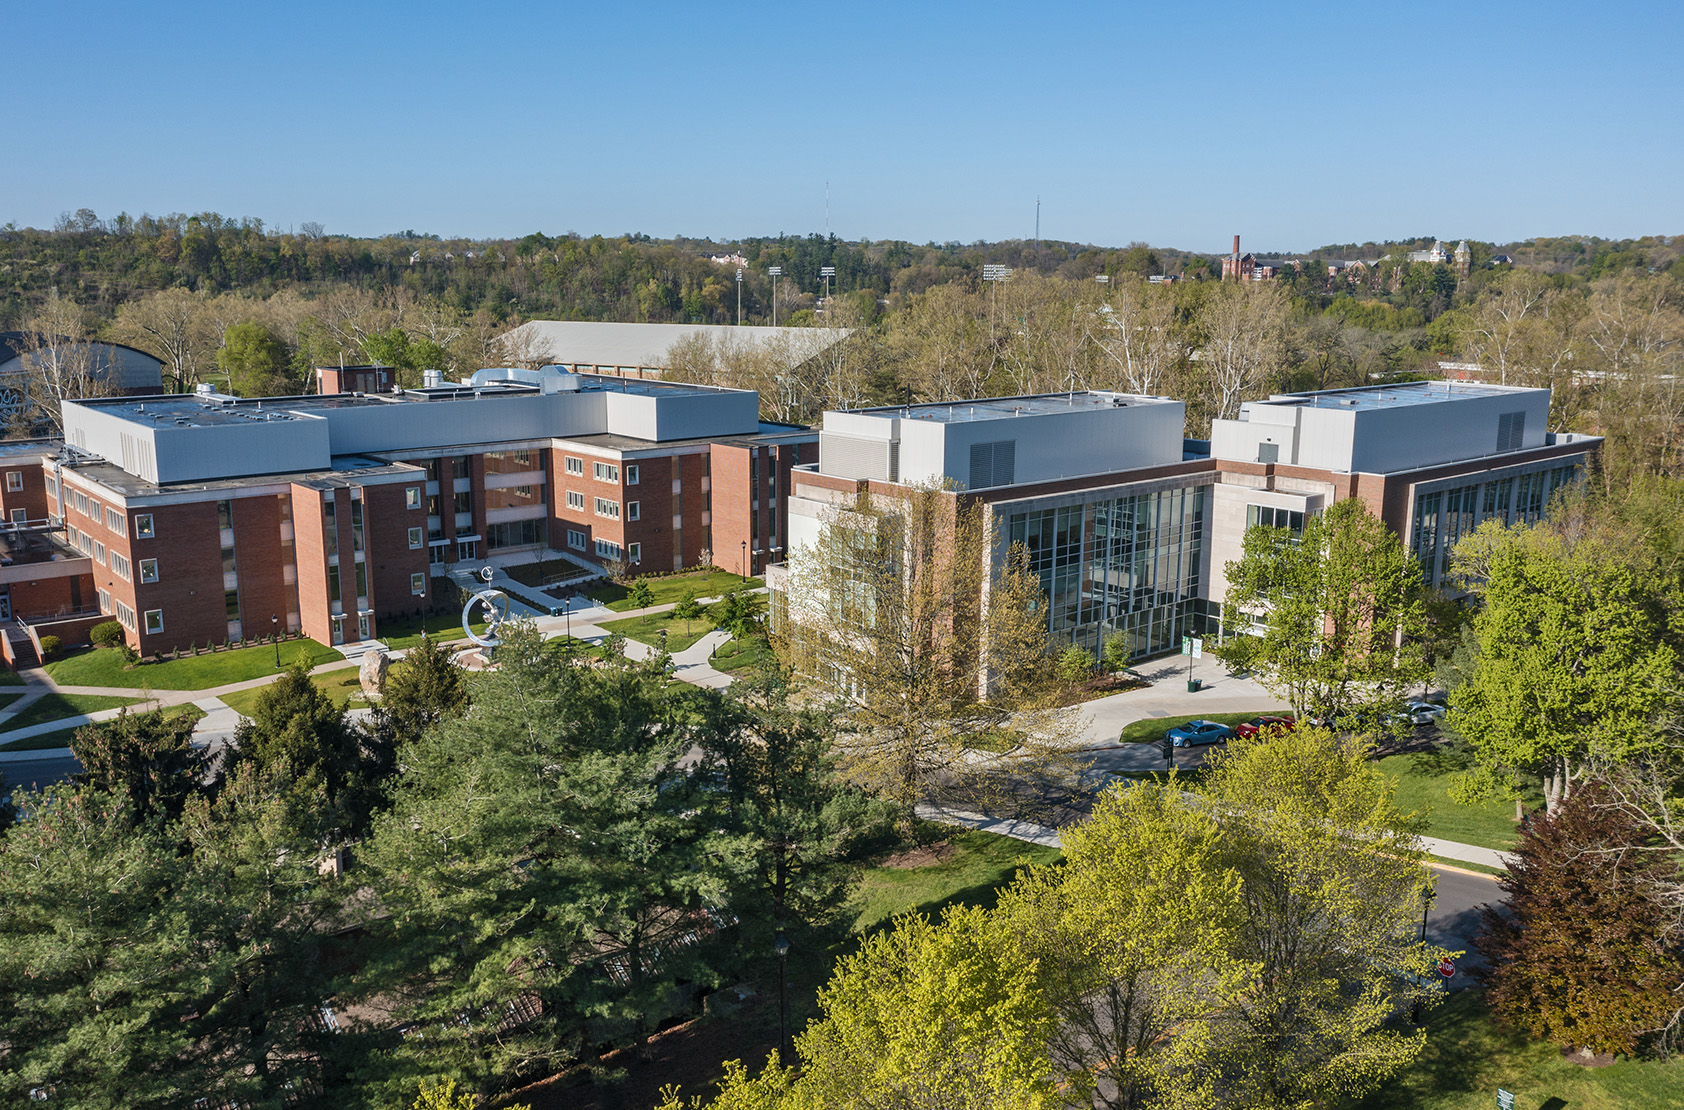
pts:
[1198, 732]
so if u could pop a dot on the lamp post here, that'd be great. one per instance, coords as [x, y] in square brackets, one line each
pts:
[1426, 905]
[275, 634]
[739, 296]
[774, 271]
[781, 947]
[743, 565]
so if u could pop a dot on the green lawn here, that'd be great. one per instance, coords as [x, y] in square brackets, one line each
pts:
[9, 677]
[399, 635]
[1151, 730]
[53, 707]
[1469, 1056]
[105, 667]
[343, 686]
[734, 655]
[1423, 782]
[60, 738]
[8, 699]
[980, 864]
[647, 630]
[672, 588]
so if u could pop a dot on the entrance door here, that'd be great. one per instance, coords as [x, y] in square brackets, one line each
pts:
[467, 551]
[6, 606]
[436, 554]
[362, 626]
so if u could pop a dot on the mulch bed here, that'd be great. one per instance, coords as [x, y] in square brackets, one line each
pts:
[1573, 1055]
[921, 856]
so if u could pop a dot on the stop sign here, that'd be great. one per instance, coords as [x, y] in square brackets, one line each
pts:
[1447, 967]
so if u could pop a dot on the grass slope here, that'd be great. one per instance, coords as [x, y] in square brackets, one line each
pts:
[398, 635]
[735, 655]
[60, 738]
[1423, 784]
[981, 863]
[105, 667]
[343, 686]
[647, 630]
[53, 707]
[668, 590]
[1469, 1056]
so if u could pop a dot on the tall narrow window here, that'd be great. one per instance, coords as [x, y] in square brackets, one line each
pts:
[356, 524]
[330, 526]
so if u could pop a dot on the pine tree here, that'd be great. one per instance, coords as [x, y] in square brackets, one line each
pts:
[296, 731]
[423, 689]
[147, 756]
[1578, 952]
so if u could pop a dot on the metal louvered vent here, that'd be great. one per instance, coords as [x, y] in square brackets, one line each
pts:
[993, 464]
[1511, 431]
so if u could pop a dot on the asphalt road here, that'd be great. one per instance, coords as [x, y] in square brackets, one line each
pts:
[1454, 917]
[37, 774]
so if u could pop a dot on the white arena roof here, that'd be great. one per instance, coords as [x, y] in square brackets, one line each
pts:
[585, 343]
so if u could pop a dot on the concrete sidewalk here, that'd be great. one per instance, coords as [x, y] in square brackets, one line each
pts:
[1168, 697]
[1032, 833]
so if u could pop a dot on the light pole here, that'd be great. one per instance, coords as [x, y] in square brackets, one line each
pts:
[774, 271]
[827, 272]
[1426, 905]
[275, 634]
[743, 566]
[996, 274]
[781, 947]
[739, 296]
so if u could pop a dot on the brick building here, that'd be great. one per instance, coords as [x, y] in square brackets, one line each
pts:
[1131, 528]
[205, 518]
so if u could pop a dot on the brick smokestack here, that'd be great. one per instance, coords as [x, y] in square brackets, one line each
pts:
[1236, 246]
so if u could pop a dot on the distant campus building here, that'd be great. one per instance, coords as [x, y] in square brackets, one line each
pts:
[1130, 527]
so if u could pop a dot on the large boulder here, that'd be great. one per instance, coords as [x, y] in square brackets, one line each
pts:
[373, 672]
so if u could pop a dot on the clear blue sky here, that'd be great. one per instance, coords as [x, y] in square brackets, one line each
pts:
[1178, 122]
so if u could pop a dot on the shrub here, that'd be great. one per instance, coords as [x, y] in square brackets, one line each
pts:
[1075, 664]
[51, 648]
[1117, 652]
[106, 634]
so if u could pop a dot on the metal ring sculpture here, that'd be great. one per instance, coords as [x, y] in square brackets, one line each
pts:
[496, 606]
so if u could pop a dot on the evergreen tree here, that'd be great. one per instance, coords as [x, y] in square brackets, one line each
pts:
[149, 757]
[296, 731]
[1579, 953]
[551, 867]
[777, 765]
[423, 689]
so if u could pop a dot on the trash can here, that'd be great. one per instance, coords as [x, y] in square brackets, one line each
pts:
[1194, 685]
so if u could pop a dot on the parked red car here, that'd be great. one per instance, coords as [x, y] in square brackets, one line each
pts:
[1282, 723]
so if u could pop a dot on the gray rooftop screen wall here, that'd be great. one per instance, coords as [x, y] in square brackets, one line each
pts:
[1040, 439]
[184, 440]
[1385, 431]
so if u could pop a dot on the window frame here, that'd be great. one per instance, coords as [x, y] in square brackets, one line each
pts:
[147, 622]
[606, 472]
[634, 552]
[577, 540]
[143, 564]
[418, 583]
[412, 497]
[575, 465]
[145, 531]
[634, 510]
[607, 509]
[14, 481]
[632, 474]
[416, 538]
[576, 500]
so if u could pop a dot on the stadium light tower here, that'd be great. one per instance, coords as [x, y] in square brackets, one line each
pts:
[739, 296]
[996, 274]
[774, 271]
[827, 272]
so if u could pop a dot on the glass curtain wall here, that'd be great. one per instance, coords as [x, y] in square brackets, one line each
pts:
[1446, 516]
[1126, 565]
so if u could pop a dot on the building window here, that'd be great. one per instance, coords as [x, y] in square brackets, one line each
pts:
[143, 526]
[116, 521]
[149, 570]
[333, 583]
[362, 581]
[634, 552]
[95, 510]
[99, 552]
[608, 549]
[465, 502]
[412, 497]
[634, 510]
[515, 533]
[14, 481]
[631, 474]
[120, 566]
[154, 621]
[575, 466]
[125, 615]
[414, 538]
[330, 526]
[356, 524]
[607, 508]
[575, 539]
[104, 600]
[418, 584]
[1268, 516]
[607, 472]
[575, 500]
